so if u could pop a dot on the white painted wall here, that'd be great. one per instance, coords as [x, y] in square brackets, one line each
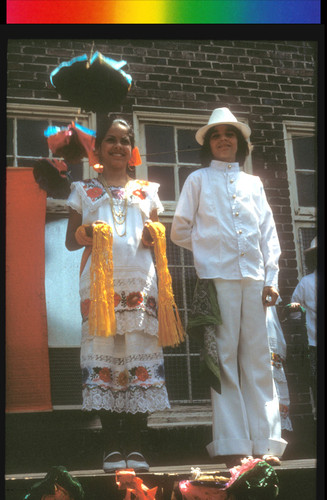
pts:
[61, 287]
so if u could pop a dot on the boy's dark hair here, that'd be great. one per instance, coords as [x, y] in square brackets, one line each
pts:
[310, 260]
[242, 147]
[105, 122]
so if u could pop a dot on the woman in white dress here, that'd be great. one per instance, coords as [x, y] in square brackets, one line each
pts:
[123, 374]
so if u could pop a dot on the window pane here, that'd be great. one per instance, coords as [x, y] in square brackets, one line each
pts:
[176, 378]
[165, 177]
[190, 282]
[178, 288]
[200, 387]
[160, 139]
[10, 136]
[173, 251]
[10, 161]
[26, 162]
[186, 141]
[306, 236]
[183, 173]
[306, 189]
[188, 257]
[304, 153]
[58, 123]
[30, 138]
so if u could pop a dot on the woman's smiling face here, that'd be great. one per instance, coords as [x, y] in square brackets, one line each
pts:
[223, 143]
[116, 149]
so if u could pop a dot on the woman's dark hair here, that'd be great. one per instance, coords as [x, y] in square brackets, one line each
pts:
[242, 147]
[105, 122]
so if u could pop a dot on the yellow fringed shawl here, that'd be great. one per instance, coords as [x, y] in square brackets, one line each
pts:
[102, 321]
[171, 331]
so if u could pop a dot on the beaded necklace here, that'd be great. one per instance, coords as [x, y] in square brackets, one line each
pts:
[118, 210]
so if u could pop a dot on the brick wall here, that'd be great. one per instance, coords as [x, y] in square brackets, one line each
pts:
[264, 81]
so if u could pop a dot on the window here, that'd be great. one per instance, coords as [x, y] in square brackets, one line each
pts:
[25, 134]
[300, 145]
[169, 154]
[169, 151]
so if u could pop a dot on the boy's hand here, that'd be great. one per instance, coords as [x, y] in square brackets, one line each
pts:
[269, 296]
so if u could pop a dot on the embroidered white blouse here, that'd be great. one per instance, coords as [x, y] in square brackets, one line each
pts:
[224, 218]
[134, 272]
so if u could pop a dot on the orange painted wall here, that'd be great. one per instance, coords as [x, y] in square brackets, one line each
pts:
[27, 359]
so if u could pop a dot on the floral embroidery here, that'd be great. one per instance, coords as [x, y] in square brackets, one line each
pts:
[284, 410]
[123, 378]
[117, 299]
[118, 193]
[122, 302]
[85, 308]
[93, 192]
[134, 299]
[118, 378]
[139, 193]
[151, 303]
[142, 182]
[105, 374]
[276, 360]
[141, 373]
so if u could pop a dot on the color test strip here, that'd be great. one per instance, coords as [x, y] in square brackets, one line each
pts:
[163, 11]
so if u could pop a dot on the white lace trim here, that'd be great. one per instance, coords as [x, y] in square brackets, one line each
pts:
[128, 322]
[138, 400]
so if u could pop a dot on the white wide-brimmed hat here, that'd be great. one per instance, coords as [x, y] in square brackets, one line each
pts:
[313, 245]
[222, 116]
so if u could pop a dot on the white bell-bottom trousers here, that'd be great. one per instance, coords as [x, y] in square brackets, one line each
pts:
[246, 418]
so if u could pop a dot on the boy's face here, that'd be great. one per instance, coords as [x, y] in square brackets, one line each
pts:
[223, 143]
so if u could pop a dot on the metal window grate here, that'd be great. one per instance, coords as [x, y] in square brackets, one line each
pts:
[182, 364]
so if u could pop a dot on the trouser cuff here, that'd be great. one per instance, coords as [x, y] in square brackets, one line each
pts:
[269, 447]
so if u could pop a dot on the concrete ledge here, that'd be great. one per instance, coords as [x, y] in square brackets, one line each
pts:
[181, 416]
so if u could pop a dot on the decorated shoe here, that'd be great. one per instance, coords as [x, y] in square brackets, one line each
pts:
[136, 461]
[113, 461]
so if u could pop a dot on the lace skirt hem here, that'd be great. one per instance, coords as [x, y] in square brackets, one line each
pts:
[139, 400]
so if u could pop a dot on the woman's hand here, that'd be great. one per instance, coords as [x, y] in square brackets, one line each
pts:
[146, 236]
[269, 296]
[89, 228]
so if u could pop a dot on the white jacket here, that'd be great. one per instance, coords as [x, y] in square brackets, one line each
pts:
[223, 217]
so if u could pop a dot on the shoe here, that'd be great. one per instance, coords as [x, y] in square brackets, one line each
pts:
[113, 461]
[271, 459]
[136, 461]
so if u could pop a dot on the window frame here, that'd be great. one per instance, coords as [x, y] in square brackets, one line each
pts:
[302, 217]
[176, 119]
